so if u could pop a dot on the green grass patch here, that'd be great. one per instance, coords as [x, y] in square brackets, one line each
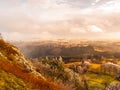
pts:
[99, 80]
[9, 81]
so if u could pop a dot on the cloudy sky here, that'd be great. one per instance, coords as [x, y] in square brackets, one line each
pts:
[56, 19]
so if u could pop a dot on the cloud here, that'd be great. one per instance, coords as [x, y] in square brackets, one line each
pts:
[18, 36]
[95, 2]
[86, 26]
[94, 28]
[110, 6]
[30, 19]
[77, 30]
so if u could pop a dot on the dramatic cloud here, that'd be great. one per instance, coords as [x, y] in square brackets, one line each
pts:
[53, 19]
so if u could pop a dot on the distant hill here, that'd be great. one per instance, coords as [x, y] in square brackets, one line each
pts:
[78, 49]
[42, 49]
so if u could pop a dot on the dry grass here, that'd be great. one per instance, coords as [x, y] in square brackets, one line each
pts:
[94, 68]
[36, 82]
[72, 64]
[8, 48]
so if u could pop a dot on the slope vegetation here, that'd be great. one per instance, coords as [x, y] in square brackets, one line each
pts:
[15, 66]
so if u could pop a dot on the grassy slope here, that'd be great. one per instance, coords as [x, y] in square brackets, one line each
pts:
[8, 81]
[8, 65]
[98, 80]
[94, 79]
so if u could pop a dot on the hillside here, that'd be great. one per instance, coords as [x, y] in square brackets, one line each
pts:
[91, 49]
[18, 73]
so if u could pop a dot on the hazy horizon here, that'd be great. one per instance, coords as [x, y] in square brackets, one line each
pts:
[59, 19]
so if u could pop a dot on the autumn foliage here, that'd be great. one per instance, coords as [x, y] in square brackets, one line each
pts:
[34, 81]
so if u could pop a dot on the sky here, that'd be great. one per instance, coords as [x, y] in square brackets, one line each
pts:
[59, 19]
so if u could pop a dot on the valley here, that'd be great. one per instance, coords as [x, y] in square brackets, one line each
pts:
[89, 60]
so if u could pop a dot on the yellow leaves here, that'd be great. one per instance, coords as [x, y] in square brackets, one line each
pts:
[94, 67]
[72, 64]
[1, 83]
